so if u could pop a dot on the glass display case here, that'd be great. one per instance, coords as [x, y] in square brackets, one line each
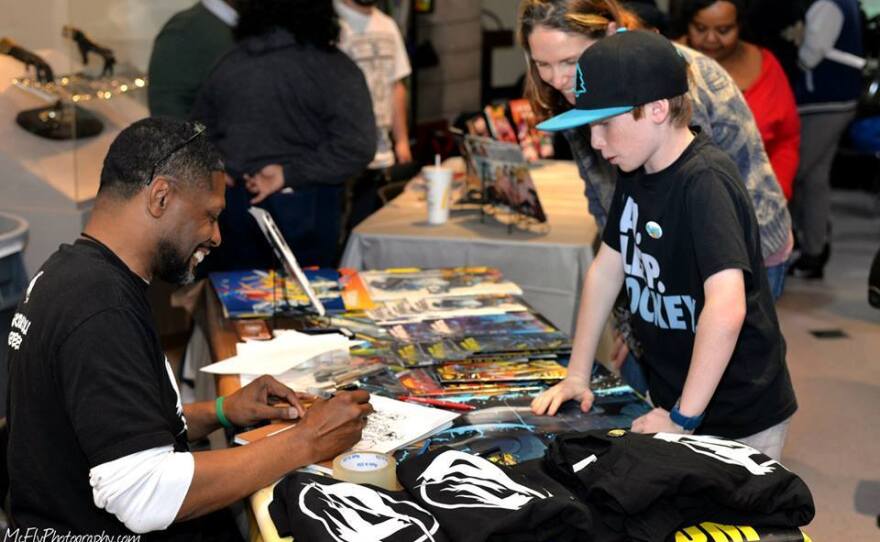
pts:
[72, 76]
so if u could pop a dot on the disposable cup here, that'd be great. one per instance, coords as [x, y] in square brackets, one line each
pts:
[439, 181]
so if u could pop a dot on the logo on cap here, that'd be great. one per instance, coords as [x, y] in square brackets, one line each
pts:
[580, 87]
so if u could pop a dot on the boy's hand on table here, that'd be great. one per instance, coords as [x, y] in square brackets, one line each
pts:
[656, 421]
[573, 387]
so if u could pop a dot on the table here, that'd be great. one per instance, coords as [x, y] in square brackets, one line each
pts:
[548, 266]
[221, 338]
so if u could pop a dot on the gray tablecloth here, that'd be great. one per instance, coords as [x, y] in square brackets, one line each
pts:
[549, 266]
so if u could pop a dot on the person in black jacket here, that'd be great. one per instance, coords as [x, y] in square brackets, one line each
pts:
[293, 117]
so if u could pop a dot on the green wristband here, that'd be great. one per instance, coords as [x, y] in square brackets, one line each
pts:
[218, 407]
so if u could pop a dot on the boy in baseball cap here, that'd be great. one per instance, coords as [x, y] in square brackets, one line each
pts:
[682, 238]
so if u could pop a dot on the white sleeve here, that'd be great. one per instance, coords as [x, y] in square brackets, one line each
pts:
[144, 490]
[824, 22]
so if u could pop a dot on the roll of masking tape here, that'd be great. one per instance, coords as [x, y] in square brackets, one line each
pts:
[367, 468]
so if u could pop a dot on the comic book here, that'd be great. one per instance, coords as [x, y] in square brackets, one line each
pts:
[504, 429]
[393, 284]
[535, 143]
[476, 125]
[531, 344]
[505, 175]
[499, 126]
[420, 382]
[257, 293]
[425, 354]
[432, 308]
[506, 324]
[500, 371]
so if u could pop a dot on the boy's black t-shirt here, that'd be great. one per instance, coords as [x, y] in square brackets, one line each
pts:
[674, 229]
[89, 383]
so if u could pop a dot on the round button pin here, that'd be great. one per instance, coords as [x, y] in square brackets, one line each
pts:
[654, 230]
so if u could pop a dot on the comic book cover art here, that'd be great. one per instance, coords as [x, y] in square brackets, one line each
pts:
[530, 344]
[499, 126]
[433, 308]
[508, 323]
[504, 430]
[354, 292]
[259, 293]
[494, 371]
[425, 354]
[505, 173]
[469, 390]
[420, 382]
[535, 143]
[476, 125]
[447, 282]
[502, 347]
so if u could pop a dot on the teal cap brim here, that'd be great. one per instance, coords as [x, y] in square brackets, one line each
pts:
[579, 117]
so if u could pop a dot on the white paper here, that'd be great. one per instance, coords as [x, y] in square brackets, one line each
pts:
[287, 350]
[394, 424]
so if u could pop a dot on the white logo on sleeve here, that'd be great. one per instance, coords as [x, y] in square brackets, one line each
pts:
[355, 513]
[177, 393]
[27, 294]
[458, 480]
[726, 451]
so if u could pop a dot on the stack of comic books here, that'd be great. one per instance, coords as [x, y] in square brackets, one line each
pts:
[467, 314]
[259, 293]
[410, 283]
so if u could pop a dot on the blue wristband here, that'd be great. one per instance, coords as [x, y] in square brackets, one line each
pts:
[685, 422]
[218, 407]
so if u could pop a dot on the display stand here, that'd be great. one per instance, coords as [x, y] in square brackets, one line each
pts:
[506, 189]
[285, 256]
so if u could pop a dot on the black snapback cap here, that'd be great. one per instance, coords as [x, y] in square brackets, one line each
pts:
[620, 72]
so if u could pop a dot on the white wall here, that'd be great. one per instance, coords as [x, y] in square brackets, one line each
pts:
[508, 63]
[126, 26]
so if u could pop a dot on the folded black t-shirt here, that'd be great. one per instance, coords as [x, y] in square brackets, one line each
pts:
[476, 500]
[314, 508]
[647, 486]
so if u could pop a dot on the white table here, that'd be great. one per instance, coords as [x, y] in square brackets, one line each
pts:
[548, 266]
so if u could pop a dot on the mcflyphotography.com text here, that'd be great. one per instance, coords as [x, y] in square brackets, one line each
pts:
[33, 534]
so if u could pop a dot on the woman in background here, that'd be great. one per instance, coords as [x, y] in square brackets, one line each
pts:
[713, 28]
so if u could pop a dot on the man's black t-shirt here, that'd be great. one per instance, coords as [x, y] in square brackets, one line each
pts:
[89, 383]
[675, 229]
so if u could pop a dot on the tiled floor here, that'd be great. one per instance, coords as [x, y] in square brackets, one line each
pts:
[834, 441]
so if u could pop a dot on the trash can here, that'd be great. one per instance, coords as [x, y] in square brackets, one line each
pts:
[13, 235]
